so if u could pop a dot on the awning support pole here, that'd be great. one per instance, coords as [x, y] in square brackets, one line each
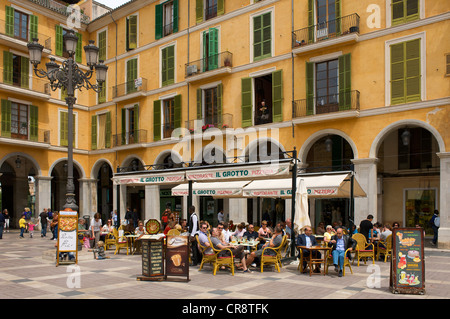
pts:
[352, 198]
[294, 191]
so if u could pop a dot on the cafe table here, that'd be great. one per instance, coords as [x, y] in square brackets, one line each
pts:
[315, 261]
[252, 244]
[132, 239]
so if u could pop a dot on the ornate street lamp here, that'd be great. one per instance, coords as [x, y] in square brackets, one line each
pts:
[69, 77]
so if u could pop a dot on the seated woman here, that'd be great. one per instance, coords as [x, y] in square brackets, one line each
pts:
[170, 225]
[239, 233]
[328, 234]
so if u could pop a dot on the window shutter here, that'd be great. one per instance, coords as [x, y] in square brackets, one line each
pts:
[267, 34]
[124, 126]
[34, 114]
[199, 104]
[262, 36]
[59, 40]
[108, 130]
[220, 7]
[199, 11]
[204, 65]
[102, 94]
[257, 31]
[404, 11]
[159, 21]
[177, 111]
[277, 96]
[168, 65]
[102, 46]
[175, 16]
[247, 103]
[79, 49]
[34, 22]
[397, 74]
[94, 132]
[63, 129]
[413, 73]
[156, 120]
[213, 46]
[136, 121]
[7, 67]
[6, 118]
[9, 27]
[219, 105]
[345, 82]
[309, 88]
[131, 75]
[24, 72]
[337, 5]
[310, 21]
[132, 32]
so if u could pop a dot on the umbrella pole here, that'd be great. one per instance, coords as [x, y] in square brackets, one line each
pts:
[294, 191]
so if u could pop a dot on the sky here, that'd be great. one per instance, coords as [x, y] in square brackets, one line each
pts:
[112, 3]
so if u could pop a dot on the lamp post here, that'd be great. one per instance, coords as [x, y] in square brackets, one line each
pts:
[69, 77]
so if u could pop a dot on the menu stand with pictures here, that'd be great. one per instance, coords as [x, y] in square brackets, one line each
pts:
[153, 253]
[67, 236]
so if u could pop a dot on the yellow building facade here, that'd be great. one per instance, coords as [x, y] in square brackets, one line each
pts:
[352, 85]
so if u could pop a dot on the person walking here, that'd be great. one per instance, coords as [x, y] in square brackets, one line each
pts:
[435, 222]
[193, 229]
[44, 216]
[2, 225]
[6, 215]
[22, 225]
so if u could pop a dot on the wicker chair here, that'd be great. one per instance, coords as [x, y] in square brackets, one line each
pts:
[122, 242]
[273, 259]
[346, 262]
[227, 261]
[110, 239]
[174, 232]
[385, 248]
[206, 258]
[363, 250]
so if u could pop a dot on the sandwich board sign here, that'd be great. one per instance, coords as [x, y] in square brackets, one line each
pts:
[67, 235]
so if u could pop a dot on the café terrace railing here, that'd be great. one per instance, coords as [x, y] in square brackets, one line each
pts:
[213, 62]
[326, 30]
[326, 104]
[129, 87]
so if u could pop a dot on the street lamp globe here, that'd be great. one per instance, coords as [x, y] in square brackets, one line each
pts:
[51, 67]
[70, 41]
[101, 70]
[35, 50]
[91, 53]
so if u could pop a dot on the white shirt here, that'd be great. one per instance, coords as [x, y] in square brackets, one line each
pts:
[95, 226]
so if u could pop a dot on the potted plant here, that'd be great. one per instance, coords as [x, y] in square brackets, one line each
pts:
[227, 62]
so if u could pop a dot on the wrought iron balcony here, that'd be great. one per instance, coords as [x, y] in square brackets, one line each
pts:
[138, 85]
[326, 30]
[326, 104]
[25, 84]
[213, 62]
[19, 38]
[128, 138]
[23, 132]
[196, 126]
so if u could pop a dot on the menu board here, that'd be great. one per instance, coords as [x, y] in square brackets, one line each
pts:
[67, 234]
[152, 259]
[177, 256]
[407, 262]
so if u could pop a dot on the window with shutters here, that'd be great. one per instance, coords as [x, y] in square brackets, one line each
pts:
[130, 125]
[168, 65]
[209, 105]
[101, 40]
[101, 131]
[210, 49]
[132, 32]
[168, 117]
[101, 95]
[262, 36]
[166, 18]
[404, 11]
[208, 9]
[326, 18]
[405, 72]
[20, 25]
[327, 88]
[16, 70]
[19, 121]
[64, 128]
[131, 75]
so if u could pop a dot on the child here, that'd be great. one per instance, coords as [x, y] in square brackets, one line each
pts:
[100, 250]
[31, 228]
[22, 225]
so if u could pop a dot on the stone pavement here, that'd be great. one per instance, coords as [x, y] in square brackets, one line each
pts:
[27, 271]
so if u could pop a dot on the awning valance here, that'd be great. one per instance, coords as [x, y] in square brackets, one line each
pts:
[150, 179]
[217, 189]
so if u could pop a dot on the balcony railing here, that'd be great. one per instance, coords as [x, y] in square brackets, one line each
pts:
[196, 126]
[326, 30]
[17, 79]
[326, 104]
[128, 138]
[59, 8]
[129, 87]
[40, 136]
[213, 62]
[25, 36]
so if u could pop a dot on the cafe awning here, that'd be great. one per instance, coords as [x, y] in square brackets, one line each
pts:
[328, 185]
[215, 189]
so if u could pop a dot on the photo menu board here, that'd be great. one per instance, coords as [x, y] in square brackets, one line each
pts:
[407, 262]
[67, 234]
[177, 256]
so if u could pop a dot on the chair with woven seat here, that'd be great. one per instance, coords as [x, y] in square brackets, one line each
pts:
[174, 232]
[346, 262]
[110, 238]
[363, 249]
[385, 248]
[274, 257]
[121, 242]
[206, 257]
[222, 260]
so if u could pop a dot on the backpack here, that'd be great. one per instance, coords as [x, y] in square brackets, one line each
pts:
[437, 221]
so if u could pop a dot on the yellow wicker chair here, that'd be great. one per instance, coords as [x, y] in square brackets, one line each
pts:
[206, 258]
[363, 249]
[346, 262]
[110, 239]
[385, 248]
[122, 242]
[227, 261]
[273, 259]
[174, 232]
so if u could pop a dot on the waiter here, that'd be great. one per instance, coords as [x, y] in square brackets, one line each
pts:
[193, 229]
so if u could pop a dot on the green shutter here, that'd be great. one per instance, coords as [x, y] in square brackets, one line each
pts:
[9, 26]
[168, 65]
[246, 101]
[397, 74]
[199, 11]
[79, 49]
[175, 16]
[24, 72]
[131, 75]
[124, 126]
[156, 120]
[262, 36]
[34, 22]
[7, 67]
[159, 21]
[404, 11]
[132, 32]
[213, 49]
[199, 104]
[102, 46]
[102, 94]
[345, 84]
[205, 51]
[6, 118]
[59, 40]
[219, 104]
[337, 6]
[94, 132]
[108, 130]
[177, 111]
[220, 7]
[309, 88]
[34, 116]
[136, 123]
[277, 96]
[310, 21]
[63, 129]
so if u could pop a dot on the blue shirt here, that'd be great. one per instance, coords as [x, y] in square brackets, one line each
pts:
[340, 244]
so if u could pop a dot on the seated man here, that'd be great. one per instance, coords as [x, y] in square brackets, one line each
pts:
[340, 244]
[275, 241]
[237, 251]
[203, 238]
[308, 240]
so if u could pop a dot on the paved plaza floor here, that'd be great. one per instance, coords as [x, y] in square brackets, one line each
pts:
[28, 271]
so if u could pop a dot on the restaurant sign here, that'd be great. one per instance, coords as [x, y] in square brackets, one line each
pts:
[322, 191]
[150, 179]
[207, 192]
